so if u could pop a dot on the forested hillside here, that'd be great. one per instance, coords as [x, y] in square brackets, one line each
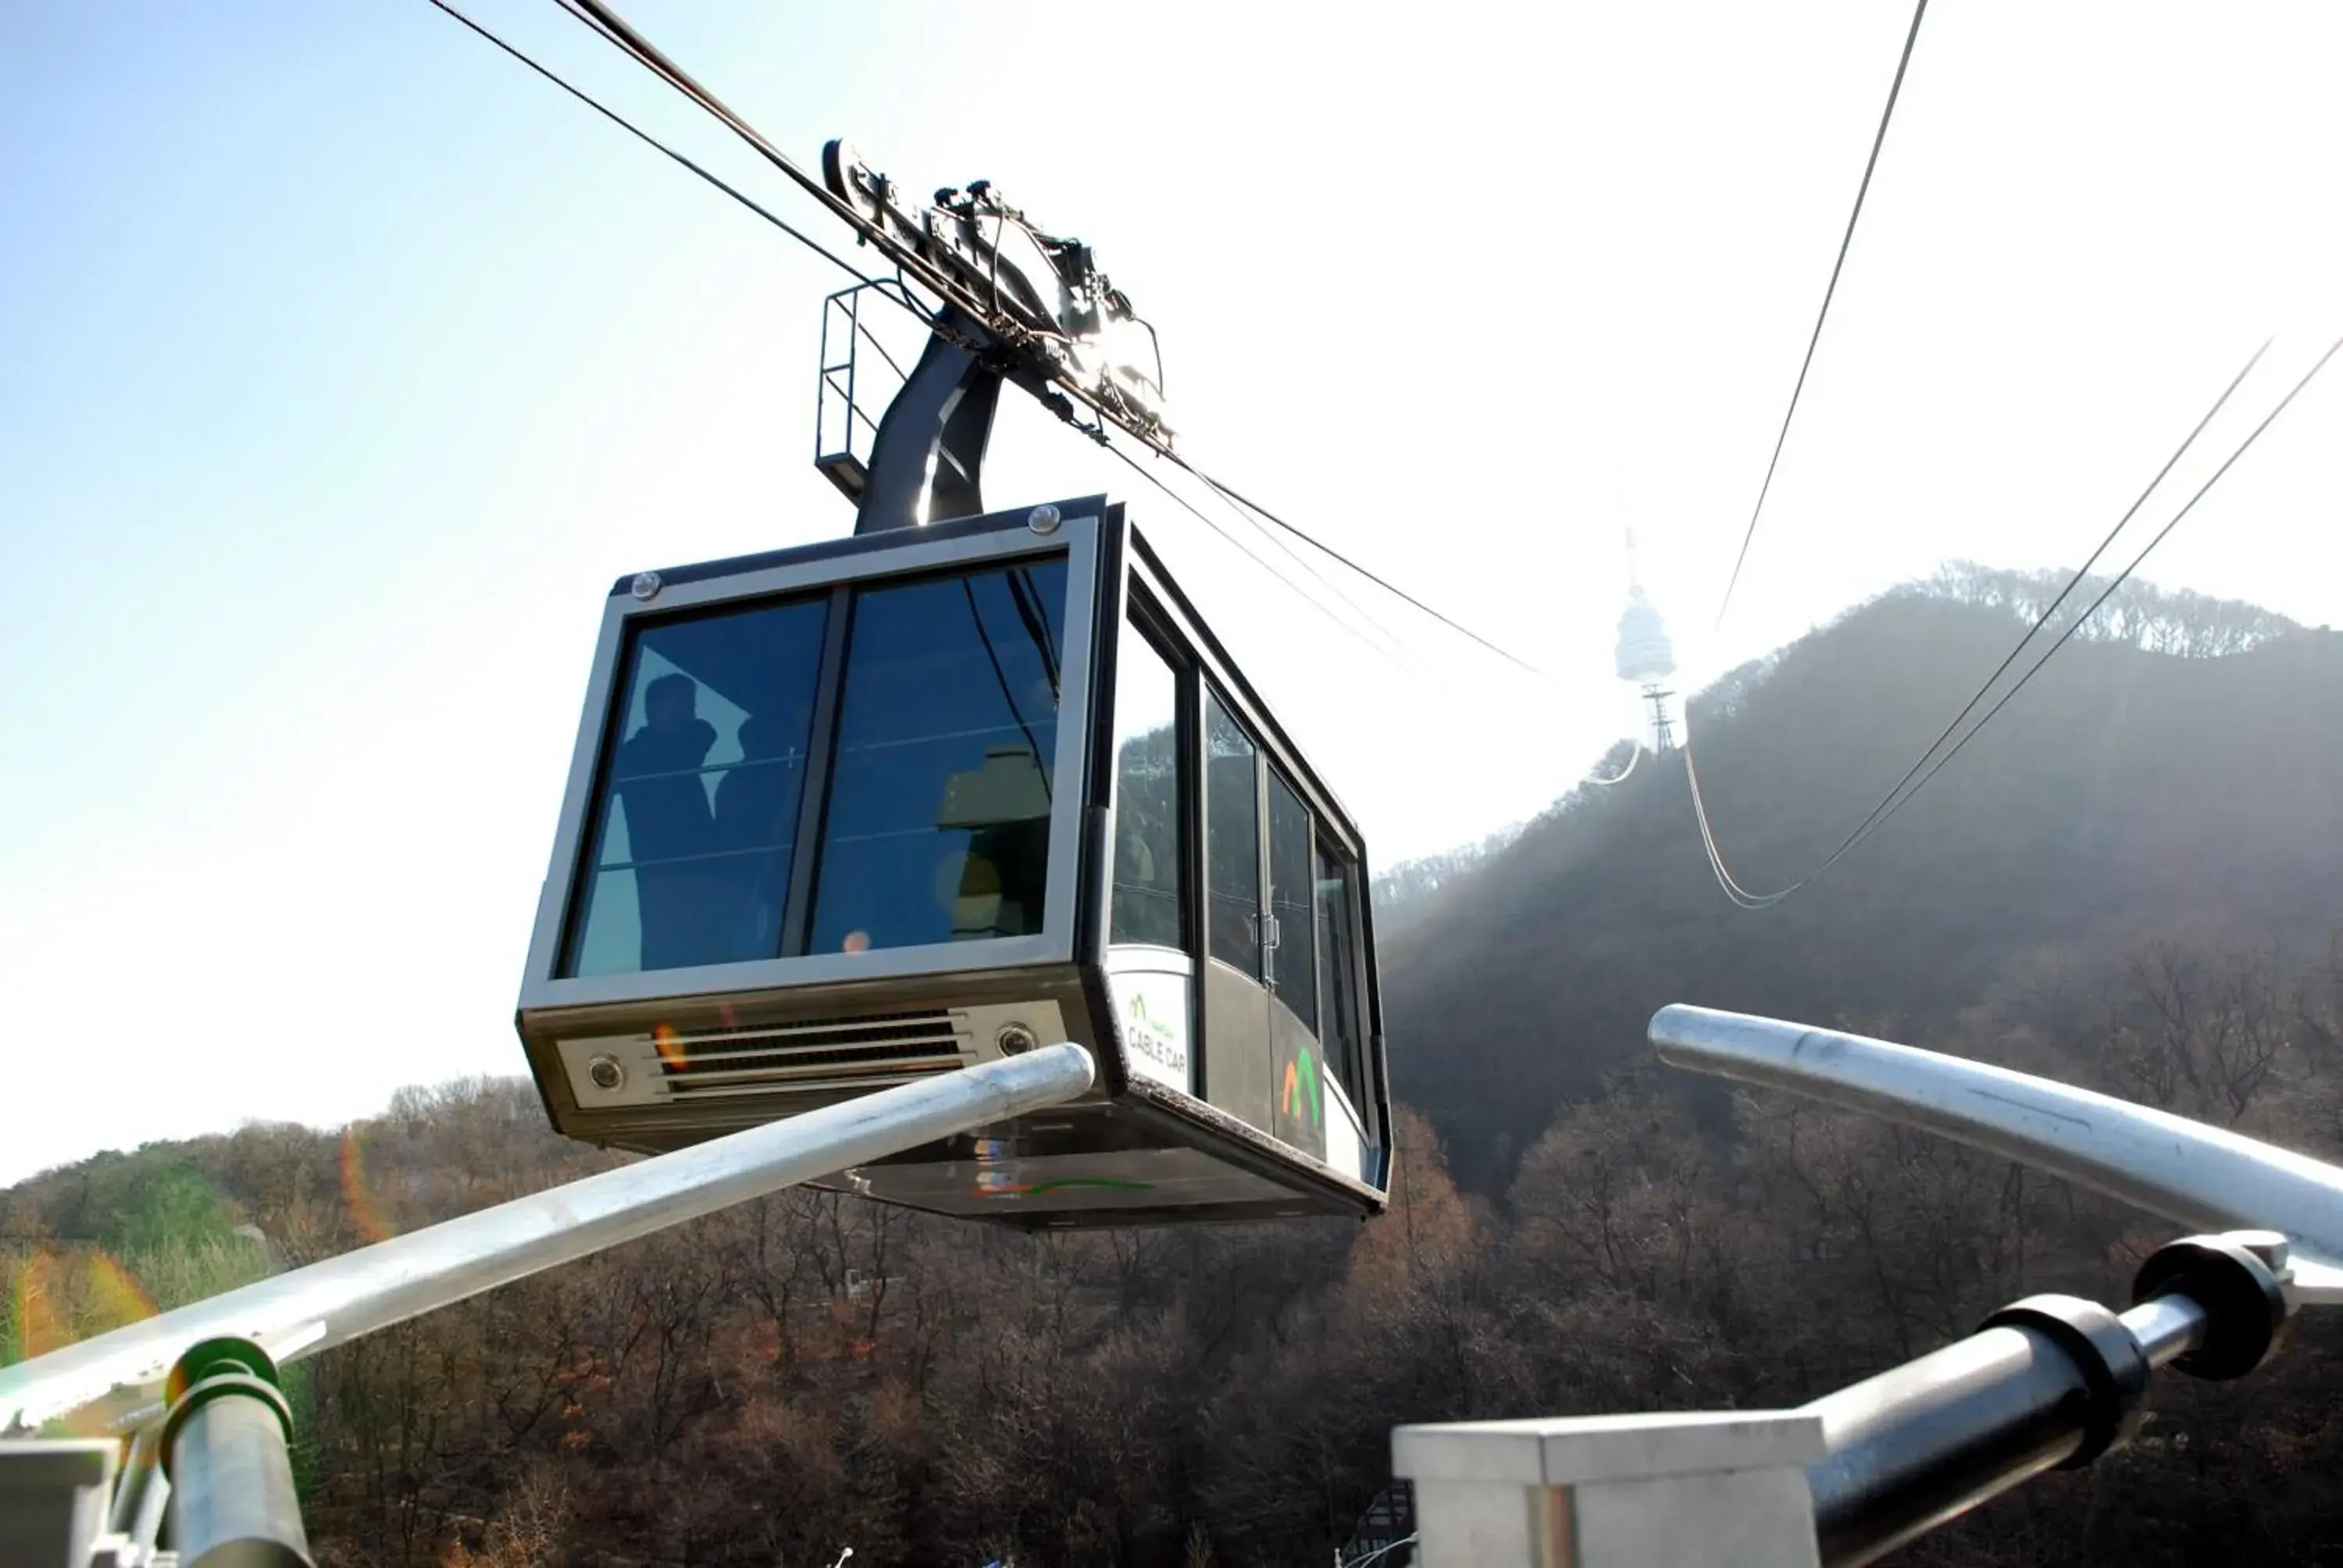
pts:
[2134, 879]
[2181, 771]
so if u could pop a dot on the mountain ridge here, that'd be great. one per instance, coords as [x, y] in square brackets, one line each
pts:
[2127, 789]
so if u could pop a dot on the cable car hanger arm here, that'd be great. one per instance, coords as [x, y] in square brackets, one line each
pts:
[1040, 299]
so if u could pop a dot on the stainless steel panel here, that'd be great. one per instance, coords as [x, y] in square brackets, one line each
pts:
[641, 1113]
[1237, 1070]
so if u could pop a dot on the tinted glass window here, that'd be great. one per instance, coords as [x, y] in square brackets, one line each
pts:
[697, 804]
[1338, 972]
[1293, 966]
[1148, 905]
[1231, 840]
[939, 820]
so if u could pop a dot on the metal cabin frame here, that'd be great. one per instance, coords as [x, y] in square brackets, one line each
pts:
[1207, 1137]
[992, 982]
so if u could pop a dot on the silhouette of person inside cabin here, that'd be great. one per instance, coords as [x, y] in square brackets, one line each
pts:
[756, 814]
[670, 823]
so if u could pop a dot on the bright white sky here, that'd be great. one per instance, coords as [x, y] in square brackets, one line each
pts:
[344, 364]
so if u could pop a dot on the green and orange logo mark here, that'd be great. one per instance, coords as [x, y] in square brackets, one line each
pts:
[1302, 1092]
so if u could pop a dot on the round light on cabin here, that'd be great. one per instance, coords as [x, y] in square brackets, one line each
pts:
[645, 587]
[1044, 520]
[606, 1073]
[1016, 1040]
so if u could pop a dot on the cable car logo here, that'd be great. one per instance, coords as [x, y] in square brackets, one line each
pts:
[1154, 1038]
[1301, 1091]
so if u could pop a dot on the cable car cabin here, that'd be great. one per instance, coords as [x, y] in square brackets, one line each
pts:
[850, 814]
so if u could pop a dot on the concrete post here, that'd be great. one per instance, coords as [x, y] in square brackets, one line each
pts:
[1722, 1489]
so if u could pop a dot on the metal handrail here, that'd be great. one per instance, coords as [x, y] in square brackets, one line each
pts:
[326, 1303]
[2202, 1177]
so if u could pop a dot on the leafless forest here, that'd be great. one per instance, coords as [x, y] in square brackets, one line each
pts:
[2133, 881]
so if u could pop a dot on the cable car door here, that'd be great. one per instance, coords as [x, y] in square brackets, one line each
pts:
[1297, 1071]
[1238, 1069]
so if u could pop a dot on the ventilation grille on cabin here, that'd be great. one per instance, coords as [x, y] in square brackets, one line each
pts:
[810, 1054]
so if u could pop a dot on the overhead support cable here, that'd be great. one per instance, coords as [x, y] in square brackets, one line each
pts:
[1889, 802]
[1878, 140]
[2122, 577]
[1392, 646]
[1633, 757]
[1915, 778]
[1332, 553]
[622, 36]
[1239, 546]
[2081, 574]
[649, 140]
[1397, 652]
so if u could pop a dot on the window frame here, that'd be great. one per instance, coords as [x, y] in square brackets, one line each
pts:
[839, 568]
[1210, 693]
[1274, 777]
[1140, 617]
[804, 904]
[1355, 1072]
[594, 824]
